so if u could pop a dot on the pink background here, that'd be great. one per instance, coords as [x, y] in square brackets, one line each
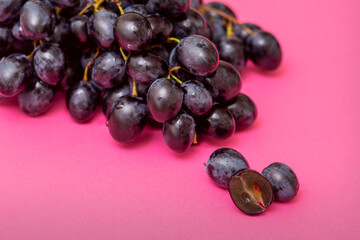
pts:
[62, 180]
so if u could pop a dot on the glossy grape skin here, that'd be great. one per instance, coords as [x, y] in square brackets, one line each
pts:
[231, 50]
[283, 181]
[225, 83]
[9, 10]
[81, 101]
[78, 27]
[145, 67]
[64, 3]
[100, 27]
[251, 192]
[15, 71]
[109, 69]
[197, 98]
[161, 28]
[6, 39]
[127, 119]
[218, 124]
[164, 99]
[264, 50]
[37, 98]
[243, 110]
[50, 63]
[111, 95]
[137, 8]
[133, 31]
[18, 32]
[179, 132]
[197, 55]
[223, 164]
[190, 23]
[168, 8]
[37, 19]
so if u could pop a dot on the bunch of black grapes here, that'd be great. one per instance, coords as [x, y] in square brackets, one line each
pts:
[176, 63]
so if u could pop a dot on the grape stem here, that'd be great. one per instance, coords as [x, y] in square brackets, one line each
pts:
[172, 39]
[229, 29]
[124, 55]
[206, 9]
[120, 8]
[195, 141]
[134, 92]
[86, 78]
[171, 75]
[95, 5]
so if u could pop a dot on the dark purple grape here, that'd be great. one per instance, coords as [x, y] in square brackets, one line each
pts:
[62, 33]
[191, 23]
[6, 39]
[72, 77]
[283, 181]
[86, 57]
[164, 99]
[225, 83]
[37, 19]
[65, 3]
[244, 30]
[197, 55]
[145, 67]
[37, 98]
[251, 192]
[221, 7]
[179, 132]
[264, 50]
[218, 30]
[243, 110]
[231, 50]
[252, 26]
[109, 70]
[218, 124]
[133, 31]
[161, 51]
[15, 71]
[81, 101]
[161, 28]
[111, 95]
[100, 27]
[18, 32]
[127, 119]
[197, 98]
[78, 27]
[168, 8]
[137, 8]
[50, 63]
[223, 164]
[9, 10]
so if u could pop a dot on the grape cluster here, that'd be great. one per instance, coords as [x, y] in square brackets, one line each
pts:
[177, 63]
[251, 191]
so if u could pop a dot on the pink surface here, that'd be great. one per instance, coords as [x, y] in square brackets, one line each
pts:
[62, 180]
